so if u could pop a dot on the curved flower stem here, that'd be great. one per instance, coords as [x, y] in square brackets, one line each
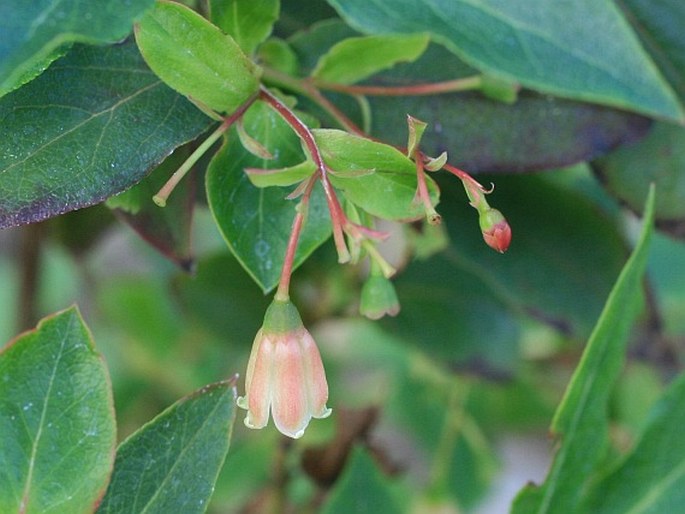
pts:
[283, 291]
[338, 218]
[434, 88]
[163, 195]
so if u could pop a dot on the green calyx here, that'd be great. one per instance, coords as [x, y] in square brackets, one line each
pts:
[489, 218]
[378, 298]
[282, 317]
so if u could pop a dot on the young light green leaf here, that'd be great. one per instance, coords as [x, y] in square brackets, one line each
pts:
[57, 430]
[652, 478]
[389, 191]
[581, 49]
[171, 464]
[581, 420]
[195, 58]
[281, 177]
[256, 222]
[247, 22]
[88, 128]
[37, 32]
[362, 489]
[357, 58]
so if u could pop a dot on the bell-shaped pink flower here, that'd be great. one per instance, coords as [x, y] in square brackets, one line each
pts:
[285, 375]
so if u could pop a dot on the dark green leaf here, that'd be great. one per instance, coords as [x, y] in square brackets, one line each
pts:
[56, 420]
[256, 222]
[167, 228]
[660, 27]
[195, 58]
[88, 128]
[362, 489]
[579, 49]
[249, 23]
[537, 132]
[355, 59]
[581, 420]
[659, 158]
[652, 478]
[171, 464]
[35, 33]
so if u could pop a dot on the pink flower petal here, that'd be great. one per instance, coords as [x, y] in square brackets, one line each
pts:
[289, 395]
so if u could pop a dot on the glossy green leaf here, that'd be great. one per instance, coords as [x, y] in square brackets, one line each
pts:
[355, 59]
[88, 128]
[537, 132]
[167, 228]
[35, 33]
[247, 22]
[256, 222]
[659, 158]
[651, 480]
[195, 58]
[362, 489]
[581, 420]
[172, 463]
[579, 49]
[374, 176]
[57, 427]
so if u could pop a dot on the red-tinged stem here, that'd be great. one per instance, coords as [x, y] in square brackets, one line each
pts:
[283, 291]
[338, 218]
[307, 89]
[163, 195]
[434, 88]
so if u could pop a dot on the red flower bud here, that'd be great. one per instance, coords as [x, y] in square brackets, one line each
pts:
[496, 231]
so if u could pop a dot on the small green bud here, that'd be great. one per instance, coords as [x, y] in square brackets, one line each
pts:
[378, 298]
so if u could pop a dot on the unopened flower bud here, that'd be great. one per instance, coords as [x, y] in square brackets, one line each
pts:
[285, 375]
[496, 231]
[378, 298]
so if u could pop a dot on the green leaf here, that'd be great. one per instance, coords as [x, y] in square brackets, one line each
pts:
[579, 49]
[88, 128]
[35, 33]
[362, 489]
[355, 59]
[248, 22]
[256, 222]
[168, 228]
[56, 420]
[581, 420]
[659, 158]
[376, 177]
[651, 480]
[172, 463]
[195, 58]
